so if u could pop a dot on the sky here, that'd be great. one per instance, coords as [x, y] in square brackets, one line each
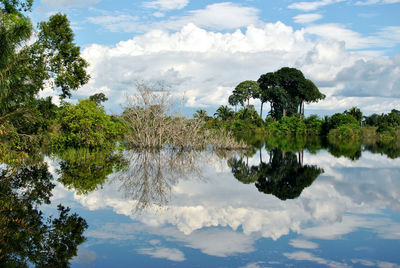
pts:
[200, 50]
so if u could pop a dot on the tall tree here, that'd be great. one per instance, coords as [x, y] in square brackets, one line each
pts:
[30, 63]
[287, 90]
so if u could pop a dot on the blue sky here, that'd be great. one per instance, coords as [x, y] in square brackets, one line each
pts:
[202, 49]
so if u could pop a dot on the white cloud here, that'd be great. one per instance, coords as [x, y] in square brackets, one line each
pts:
[374, 2]
[219, 16]
[307, 18]
[84, 256]
[69, 3]
[306, 256]
[303, 244]
[171, 254]
[312, 5]
[386, 37]
[166, 4]
[208, 65]
[116, 23]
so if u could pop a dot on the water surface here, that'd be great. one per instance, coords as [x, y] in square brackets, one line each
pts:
[226, 209]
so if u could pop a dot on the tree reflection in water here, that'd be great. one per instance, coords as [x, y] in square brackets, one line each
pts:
[284, 175]
[151, 174]
[85, 170]
[26, 236]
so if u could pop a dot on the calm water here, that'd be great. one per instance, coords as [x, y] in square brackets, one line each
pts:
[221, 209]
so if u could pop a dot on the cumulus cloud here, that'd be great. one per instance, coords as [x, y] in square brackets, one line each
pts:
[171, 254]
[307, 18]
[166, 4]
[312, 5]
[68, 3]
[366, 76]
[190, 58]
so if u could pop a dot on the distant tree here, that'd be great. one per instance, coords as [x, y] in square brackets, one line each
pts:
[233, 100]
[200, 114]
[98, 98]
[356, 113]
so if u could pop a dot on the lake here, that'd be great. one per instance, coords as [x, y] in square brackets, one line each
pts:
[264, 208]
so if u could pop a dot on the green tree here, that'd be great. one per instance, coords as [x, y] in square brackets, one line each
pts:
[86, 125]
[285, 176]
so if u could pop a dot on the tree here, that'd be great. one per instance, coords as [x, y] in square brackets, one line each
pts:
[85, 171]
[98, 98]
[285, 176]
[244, 91]
[287, 90]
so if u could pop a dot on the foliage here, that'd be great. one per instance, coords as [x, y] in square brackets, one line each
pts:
[86, 125]
[28, 64]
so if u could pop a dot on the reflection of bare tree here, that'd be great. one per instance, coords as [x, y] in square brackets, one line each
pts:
[152, 174]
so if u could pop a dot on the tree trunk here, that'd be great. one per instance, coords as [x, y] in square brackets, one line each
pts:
[262, 103]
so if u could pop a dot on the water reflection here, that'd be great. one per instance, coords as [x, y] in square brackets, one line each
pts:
[285, 176]
[26, 236]
[85, 170]
[151, 174]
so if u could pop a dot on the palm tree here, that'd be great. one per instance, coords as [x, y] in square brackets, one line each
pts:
[224, 113]
[200, 114]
